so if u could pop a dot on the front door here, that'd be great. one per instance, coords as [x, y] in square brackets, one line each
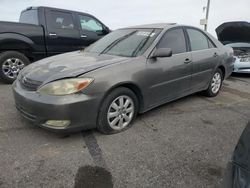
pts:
[170, 77]
[91, 30]
[62, 33]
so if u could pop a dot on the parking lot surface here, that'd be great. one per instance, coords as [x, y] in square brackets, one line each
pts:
[186, 143]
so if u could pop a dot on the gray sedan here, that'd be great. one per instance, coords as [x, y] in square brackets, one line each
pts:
[127, 72]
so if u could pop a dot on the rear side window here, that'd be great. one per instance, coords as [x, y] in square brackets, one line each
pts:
[198, 40]
[29, 16]
[174, 39]
[60, 20]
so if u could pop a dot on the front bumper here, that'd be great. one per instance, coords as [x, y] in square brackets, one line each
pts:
[80, 109]
[241, 67]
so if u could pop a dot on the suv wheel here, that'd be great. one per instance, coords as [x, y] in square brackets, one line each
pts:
[11, 64]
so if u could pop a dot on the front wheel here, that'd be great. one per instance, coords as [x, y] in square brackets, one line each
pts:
[215, 84]
[118, 111]
[11, 63]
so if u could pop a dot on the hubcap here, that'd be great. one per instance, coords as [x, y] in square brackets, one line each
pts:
[120, 112]
[11, 67]
[216, 82]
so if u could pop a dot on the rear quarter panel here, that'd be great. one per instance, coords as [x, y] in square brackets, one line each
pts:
[226, 58]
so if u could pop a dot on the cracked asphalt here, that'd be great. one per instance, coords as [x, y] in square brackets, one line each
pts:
[186, 143]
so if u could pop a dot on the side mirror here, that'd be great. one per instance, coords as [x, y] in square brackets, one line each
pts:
[162, 52]
[105, 30]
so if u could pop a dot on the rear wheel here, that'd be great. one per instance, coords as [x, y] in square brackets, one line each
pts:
[118, 111]
[215, 84]
[11, 63]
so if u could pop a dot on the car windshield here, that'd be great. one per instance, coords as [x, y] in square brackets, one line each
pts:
[125, 42]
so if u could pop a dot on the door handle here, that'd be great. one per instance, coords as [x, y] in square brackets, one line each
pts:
[52, 34]
[187, 61]
[215, 54]
[83, 36]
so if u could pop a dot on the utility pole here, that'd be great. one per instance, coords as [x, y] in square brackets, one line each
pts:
[207, 14]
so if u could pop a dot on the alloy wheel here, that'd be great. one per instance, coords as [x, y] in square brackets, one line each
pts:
[120, 112]
[216, 82]
[12, 66]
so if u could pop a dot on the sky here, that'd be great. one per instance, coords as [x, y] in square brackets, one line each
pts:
[116, 14]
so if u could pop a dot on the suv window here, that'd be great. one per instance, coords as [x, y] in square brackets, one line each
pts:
[174, 39]
[198, 40]
[29, 16]
[61, 20]
[90, 24]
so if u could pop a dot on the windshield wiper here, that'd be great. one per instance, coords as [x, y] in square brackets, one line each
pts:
[142, 43]
[109, 47]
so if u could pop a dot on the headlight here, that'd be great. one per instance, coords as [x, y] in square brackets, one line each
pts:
[66, 86]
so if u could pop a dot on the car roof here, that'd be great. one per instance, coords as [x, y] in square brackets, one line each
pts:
[59, 9]
[54, 8]
[161, 26]
[155, 26]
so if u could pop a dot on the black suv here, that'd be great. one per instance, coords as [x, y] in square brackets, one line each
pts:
[43, 32]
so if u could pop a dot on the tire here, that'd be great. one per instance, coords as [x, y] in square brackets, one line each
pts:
[111, 120]
[215, 84]
[11, 63]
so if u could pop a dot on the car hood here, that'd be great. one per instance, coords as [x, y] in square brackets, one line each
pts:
[68, 65]
[233, 32]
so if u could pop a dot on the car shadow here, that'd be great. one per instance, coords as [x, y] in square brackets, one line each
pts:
[170, 105]
[242, 75]
[2, 83]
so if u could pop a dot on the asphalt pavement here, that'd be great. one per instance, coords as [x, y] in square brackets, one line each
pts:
[186, 143]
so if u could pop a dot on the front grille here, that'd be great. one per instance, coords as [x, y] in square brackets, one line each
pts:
[28, 84]
[244, 68]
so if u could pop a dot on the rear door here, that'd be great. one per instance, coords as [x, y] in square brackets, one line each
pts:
[170, 77]
[91, 29]
[204, 56]
[62, 32]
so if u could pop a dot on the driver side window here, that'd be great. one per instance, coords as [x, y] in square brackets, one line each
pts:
[90, 24]
[174, 39]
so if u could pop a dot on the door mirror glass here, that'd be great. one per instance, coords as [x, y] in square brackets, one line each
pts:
[162, 52]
